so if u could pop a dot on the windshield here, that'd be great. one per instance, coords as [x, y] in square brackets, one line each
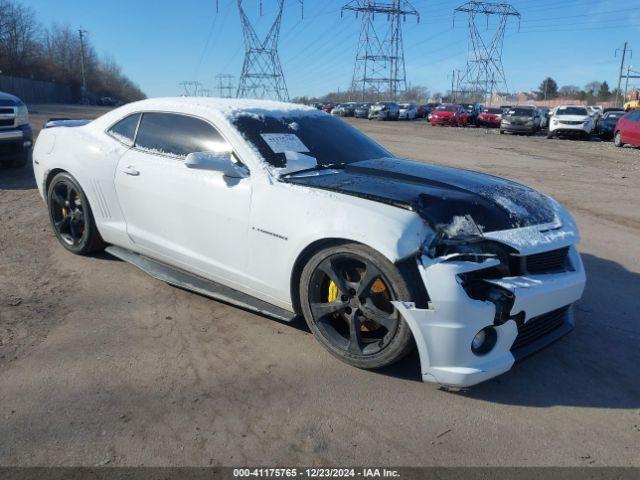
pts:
[613, 115]
[572, 111]
[448, 108]
[324, 138]
[494, 111]
[521, 112]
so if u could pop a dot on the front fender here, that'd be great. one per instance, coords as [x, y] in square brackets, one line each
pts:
[286, 219]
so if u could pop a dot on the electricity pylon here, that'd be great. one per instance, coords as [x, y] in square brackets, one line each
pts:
[190, 88]
[484, 74]
[380, 68]
[262, 75]
[225, 85]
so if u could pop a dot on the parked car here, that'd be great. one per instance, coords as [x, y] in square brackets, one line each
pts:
[490, 117]
[327, 107]
[607, 124]
[16, 136]
[422, 111]
[450, 114]
[408, 111]
[473, 270]
[430, 108]
[570, 120]
[544, 117]
[345, 110]
[109, 102]
[595, 113]
[473, 112]
[362, 110]
[521, 119]
[627, 130]
[384, 111]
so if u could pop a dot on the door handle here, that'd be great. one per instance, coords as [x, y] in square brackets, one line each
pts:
[131, 171]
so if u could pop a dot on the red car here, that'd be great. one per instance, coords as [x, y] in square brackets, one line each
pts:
[627, 130]
[450, 114]
[328, 107]
[490, 117]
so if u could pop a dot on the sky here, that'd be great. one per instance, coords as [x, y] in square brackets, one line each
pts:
[160, 43]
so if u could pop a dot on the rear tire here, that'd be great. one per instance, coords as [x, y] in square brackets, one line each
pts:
[345, 295]
[71, 216]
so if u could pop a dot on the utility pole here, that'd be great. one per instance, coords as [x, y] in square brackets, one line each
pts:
[380, 66]
[626, 83]
[624, 54]
[83, 90]
[453, 82]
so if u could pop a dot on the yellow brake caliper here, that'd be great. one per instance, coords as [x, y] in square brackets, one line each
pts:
[377, 287]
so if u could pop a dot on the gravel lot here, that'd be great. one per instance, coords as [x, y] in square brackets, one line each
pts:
[103, 365]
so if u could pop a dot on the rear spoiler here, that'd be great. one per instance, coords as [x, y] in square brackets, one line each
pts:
[65, 122]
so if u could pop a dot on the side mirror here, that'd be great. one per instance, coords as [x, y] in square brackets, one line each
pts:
[217, 162]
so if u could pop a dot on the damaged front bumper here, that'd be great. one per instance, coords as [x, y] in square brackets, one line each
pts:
[444, 331]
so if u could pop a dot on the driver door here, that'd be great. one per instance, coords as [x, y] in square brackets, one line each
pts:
[191, 218]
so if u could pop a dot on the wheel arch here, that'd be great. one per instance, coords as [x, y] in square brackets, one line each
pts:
[407, 267]
[300, 262]
[51, 175]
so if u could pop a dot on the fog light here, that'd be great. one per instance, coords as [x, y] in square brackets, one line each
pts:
[26, 144]
[484, 341]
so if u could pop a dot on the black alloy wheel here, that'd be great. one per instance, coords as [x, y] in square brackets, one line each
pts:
[348, 306]
[71, 216]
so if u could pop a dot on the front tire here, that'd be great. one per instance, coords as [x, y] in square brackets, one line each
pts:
[550, 134]
[71, 216]
[617, 140]
[345, 294]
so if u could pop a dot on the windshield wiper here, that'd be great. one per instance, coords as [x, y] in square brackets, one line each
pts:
[320, 166]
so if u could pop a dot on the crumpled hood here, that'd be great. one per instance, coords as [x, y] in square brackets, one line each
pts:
[444, 197]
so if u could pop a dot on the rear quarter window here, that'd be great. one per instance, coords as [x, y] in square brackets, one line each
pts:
[125, 130]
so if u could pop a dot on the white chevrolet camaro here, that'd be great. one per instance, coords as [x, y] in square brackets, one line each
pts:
[285, 210]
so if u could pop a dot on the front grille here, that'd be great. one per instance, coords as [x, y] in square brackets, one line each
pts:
[6, 111]
[539, 327]
[571, 122]
[6, 122]
[9, 148]
[547, 262]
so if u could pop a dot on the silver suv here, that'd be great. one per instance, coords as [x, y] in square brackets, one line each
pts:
[384, 111]
[16, 136]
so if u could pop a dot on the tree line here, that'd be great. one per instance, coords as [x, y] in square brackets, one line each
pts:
[591, 92]
[53, 54]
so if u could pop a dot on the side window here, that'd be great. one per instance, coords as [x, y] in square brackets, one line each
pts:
[125, 130]
[634, 116]
[177, 135]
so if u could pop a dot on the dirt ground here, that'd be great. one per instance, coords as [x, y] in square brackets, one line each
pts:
[103, 365]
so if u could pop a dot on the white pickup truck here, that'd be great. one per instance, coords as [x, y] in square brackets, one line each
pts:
[16, 136]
